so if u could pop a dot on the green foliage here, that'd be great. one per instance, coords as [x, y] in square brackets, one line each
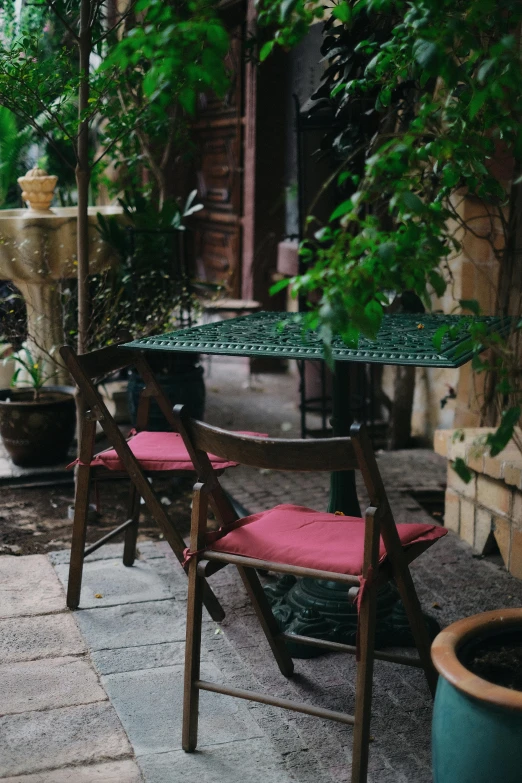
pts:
[149, 63]
[424, 94]
[153, 64]
[36, 376]
[440, 86]
[149, 289]
[13, 143]
[151, 79]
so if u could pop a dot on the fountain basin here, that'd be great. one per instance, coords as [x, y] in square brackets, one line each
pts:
[37, 251]
[38, 247]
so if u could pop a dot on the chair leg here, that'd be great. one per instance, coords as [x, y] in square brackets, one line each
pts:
[418, 627]
[267, 620]
[131, 534]
[192, 659]
[79, 531]
[363, 688]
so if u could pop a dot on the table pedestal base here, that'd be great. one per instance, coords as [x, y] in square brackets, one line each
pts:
[321, 609]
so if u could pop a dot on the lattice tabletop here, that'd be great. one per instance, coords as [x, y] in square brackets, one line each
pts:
[402, 339]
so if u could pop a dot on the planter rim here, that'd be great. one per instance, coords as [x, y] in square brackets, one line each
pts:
[67, 393]
[448, 642]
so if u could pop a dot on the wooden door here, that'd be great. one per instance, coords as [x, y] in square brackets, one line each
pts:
[218, 136]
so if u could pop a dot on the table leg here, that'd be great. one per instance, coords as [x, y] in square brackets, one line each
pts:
[343, 494]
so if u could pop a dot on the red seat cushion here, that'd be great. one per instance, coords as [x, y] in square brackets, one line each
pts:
[300, 536]
[158, 451]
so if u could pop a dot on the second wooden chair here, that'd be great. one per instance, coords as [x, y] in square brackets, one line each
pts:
[144, 455]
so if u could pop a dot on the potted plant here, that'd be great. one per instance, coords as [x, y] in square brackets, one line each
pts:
[36, 423]
[477, 722]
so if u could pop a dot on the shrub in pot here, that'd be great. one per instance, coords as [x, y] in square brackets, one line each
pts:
[154, 293]
[477, 721]
[36, 423]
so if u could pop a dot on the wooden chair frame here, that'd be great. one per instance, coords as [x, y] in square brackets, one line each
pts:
[85, 368]
[331, 454]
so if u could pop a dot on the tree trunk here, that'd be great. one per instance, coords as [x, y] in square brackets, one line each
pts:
[83, 176]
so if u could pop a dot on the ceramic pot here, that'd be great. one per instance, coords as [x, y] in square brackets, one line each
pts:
[37, 433]
[477, 725]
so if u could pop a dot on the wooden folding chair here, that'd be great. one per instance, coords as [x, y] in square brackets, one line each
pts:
[144, 454]
[361, 554]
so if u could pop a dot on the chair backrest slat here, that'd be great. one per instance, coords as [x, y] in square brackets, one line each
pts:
[102, 362]
[88, 367]
[326, 454]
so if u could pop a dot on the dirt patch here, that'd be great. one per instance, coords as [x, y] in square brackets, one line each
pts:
[35, 521]
[498, 660]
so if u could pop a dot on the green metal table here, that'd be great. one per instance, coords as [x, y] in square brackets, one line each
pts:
[312, 607]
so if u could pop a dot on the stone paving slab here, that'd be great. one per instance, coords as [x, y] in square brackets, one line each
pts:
[115, 584]
[108, 552]
[47, 684]
[146, 656]
[149, 703]
[132, 625]
[237, 762]
[28, 586]
[113, 772]
[42, 636]
[50, 739]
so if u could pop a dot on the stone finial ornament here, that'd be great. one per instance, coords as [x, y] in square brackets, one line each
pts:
[38, 189]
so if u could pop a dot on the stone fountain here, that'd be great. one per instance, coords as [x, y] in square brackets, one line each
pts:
[38, 250]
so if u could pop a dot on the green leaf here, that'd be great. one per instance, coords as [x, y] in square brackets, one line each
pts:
[470, 304]
[426, 53]
[266, 49]
[462, 470]
[439, 336]
[477, 364]
[438, 282]
[343, 12]
[412, 202]
[342, 209]
[286, 8]
[279, 286]
[497, 441]
[484, 69]
[450, 175]
[477, 102]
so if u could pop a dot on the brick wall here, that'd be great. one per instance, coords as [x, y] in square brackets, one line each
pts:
[488, 509]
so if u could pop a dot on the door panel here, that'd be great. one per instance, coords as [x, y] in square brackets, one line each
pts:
[217, 251]
[218, 136]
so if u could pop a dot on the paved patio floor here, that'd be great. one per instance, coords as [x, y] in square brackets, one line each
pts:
[96, 695]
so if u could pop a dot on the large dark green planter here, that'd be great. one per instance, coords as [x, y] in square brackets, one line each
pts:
[37, 433]
[477, 726]
[183, 384]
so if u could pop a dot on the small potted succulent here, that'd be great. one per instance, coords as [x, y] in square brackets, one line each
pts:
[477, 721]
[37, 423]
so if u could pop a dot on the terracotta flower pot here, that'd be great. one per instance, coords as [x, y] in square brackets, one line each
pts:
[477, 725]
[37, 433]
